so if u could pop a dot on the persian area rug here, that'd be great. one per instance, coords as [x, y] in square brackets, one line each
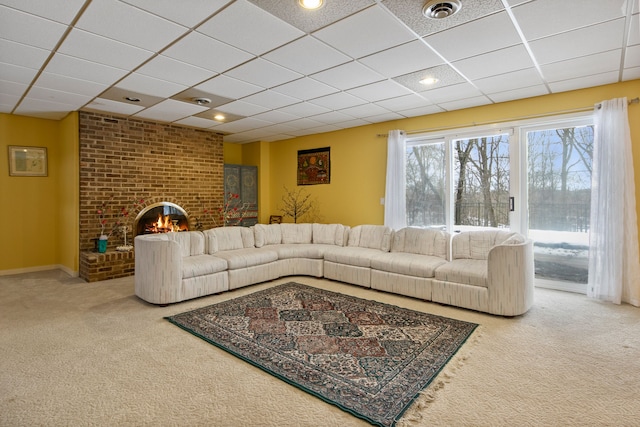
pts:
[368, 358]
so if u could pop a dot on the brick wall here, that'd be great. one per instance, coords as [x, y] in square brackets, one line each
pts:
[123, 160]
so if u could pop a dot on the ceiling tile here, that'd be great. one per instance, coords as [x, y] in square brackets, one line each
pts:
[348, 76]
[85, 70]
[229, 87]
[365, 110]
[451, 93]
[170, 111]
[241, 125]
[63, 11]
[582, 42]
[634, 31]
[16, 74]
[379, 91]
[632, 57]
[22, 54]
[410, 12]
[332, 117]
[474, 38]
[307, 55]
[263, 73]
[580, 67]
[197, 122]
[416, 55]
[520, 93]
[271, 99]
[497, 62]
[219, 56]
[338, 101]
[302, 124]
[213, 113]
[43, 109]
[8, 102]
[309, 21]
[165, 68]
[130, 25]
[509, 81]
[304, 109]
[111, 106]
[421, 111]
[150, 86]
[242, 108]
[276, 116]
[465, 103]
[60, 97]
[244, 25]
[542, 18]
[305, 88]
[102, 50]
[584, 82]
[69, 84]
[359, 35]
[404, 102]
[189, 13]
[13, 89]
[631, 74]
[29, 29]
[385, 117]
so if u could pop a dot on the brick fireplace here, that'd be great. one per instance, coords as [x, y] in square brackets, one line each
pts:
[128, 165]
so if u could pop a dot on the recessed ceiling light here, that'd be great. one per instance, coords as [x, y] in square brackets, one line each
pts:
[219, 117]
[311, 4]
[429, 81]
[438, 9]
[132, 99]
[201, 101]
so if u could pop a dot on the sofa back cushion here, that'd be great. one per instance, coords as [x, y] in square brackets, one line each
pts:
[228, 238]
[191, 242]
[370, 236]
[296, 233]
[330, 234]
[477, 244]
[267, 234]
[423, 241]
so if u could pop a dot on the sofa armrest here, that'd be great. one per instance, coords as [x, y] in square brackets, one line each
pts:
[158, 274]
[510, 278]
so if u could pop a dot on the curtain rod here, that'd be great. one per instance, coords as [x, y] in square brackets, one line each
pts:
[532, 116]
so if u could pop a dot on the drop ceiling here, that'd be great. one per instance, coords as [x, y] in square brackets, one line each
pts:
[276, 71]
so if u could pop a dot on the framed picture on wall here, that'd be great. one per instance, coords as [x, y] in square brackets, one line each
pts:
[27, 161]
[314, 166]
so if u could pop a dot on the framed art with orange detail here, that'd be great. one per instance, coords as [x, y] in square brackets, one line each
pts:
[314, 166]
[27, 161]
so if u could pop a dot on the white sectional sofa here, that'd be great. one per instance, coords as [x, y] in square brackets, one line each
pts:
[489, 270]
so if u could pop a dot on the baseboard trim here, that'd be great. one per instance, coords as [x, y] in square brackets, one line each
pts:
[39, 268]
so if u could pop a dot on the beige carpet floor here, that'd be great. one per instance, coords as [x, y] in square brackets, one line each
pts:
[80, 354]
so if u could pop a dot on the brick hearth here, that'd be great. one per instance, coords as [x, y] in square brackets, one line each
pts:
[123, 160]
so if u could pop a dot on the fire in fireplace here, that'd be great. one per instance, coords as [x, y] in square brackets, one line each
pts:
[163, 217]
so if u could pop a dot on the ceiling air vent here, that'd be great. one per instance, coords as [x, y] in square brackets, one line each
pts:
[436, 9]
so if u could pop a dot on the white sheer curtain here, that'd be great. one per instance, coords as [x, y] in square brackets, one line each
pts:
[395, 205]
[614, 269]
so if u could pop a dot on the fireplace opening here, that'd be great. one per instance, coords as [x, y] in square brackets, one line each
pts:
[163, 217]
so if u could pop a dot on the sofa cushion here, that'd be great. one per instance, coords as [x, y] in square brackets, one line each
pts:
[330, 234]
[423, 241]
[201, 265]
[371, 236]
[355, 256]
[407, 263]
[191, 242]
[477, 244]
[465, 271]
[228, 238]
[267, 234]
[296, 233]
[299, 250]
[247, 257]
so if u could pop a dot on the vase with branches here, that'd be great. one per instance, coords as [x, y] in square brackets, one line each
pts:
[231, 213]
[296, 203]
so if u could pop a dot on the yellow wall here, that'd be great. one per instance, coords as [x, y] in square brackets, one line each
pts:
[40, 214]
[358, 155]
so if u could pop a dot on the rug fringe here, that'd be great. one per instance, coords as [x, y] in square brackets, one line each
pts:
[414, 414]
